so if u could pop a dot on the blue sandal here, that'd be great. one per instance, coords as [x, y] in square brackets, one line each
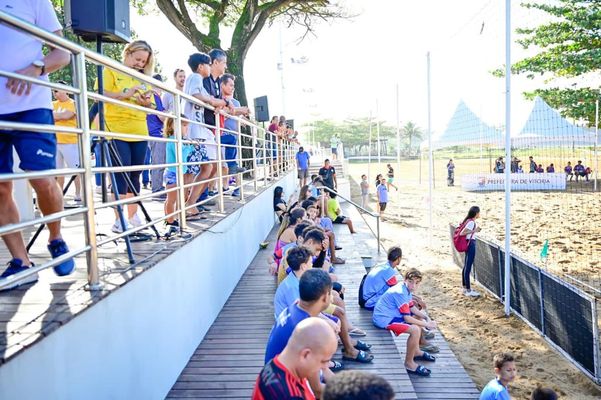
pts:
[337, 366]
[425, 357]
[361, 345]
[420, 371]
[362, 357]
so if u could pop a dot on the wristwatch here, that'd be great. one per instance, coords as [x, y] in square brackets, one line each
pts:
[40, 64]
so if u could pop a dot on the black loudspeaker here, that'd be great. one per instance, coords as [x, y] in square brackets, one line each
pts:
[90, 19]
[290, 123]
[261, 109]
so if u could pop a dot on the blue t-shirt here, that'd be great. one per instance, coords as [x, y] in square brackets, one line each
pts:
[303, 160]
[231, 124]
[382, 193]
[287, 294]
[396, 302]
[379, 279]
[494, 390]
[170, 158]
[155, 125]
[282, 330]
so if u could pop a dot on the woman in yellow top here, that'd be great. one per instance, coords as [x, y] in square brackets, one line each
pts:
[137, 55]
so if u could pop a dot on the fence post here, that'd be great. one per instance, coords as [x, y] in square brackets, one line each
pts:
[219, 162]
[86, 156]
[542, 302]
[253, 132]
[596, 350]
[239, 176]
[179, 151]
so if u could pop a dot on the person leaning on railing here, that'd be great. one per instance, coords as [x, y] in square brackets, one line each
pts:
[137, 55]
[22, 101]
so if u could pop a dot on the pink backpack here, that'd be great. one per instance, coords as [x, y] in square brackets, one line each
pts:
[461, 242]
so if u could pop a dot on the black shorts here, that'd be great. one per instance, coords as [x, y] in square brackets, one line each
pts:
[341, 219]
[383, 206]
[334, 150]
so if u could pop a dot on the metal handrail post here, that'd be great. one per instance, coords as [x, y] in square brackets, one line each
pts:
[239, 157]
[79, 69]
[253, 131]
[219, 163]
[179, 151]
[265, 168]
[378, 232]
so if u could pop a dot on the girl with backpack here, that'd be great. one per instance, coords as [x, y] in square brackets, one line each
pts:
[470, 228]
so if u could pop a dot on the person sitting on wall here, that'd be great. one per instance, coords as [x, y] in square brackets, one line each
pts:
[551, 169]
[335, 213]
[540, 169]
[568, 170]
[580, 170]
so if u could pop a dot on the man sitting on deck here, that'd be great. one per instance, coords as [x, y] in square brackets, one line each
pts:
[397, 312]
[308, 351]
[333, 210]
[381, 277]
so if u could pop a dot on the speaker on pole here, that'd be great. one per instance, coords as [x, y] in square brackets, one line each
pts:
[107, 20]
[261, 109]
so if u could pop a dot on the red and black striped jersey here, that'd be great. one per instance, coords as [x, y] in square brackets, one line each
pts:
[275, 382]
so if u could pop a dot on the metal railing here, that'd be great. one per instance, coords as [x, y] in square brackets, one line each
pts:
[375, 234]
[256, 150]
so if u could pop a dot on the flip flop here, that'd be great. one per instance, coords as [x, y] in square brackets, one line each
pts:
[420, 371]
[362, 357]
[425, 357]
[337, 366]
[195, 217]
[362, 345]
[430, 348]
[357, 332]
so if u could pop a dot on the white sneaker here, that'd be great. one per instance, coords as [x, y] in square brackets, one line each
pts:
[135, 221]
[116, 228]
[99, 189]
[473, 293]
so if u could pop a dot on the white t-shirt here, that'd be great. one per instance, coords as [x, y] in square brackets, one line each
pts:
[18, 50]
[471, 225]
[195, 112]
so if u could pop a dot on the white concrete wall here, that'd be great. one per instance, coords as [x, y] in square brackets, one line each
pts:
[134, 343]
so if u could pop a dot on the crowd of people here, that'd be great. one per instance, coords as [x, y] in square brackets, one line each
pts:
[578, 171]
[128, 144]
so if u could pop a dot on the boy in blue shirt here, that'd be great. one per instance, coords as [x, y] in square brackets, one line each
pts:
[382, 192]
[299, 260]
[302, 165]
[396, 311]
[381, 277]
[506, 372]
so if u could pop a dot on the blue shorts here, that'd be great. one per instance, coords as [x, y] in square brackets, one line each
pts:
[37, 150]
[199, 154]
[230, 153]
[170, 177]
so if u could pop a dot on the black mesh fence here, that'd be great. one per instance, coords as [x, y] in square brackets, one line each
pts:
[565, 315]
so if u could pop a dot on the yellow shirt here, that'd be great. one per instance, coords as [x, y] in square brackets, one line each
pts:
[331, 209]
[122, 119]
[63, 137]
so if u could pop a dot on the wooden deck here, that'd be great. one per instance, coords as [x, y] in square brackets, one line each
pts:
[34, 311]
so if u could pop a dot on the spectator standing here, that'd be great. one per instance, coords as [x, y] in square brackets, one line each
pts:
[328, 174]
[180, 79]
[505, 372]
[469, 230]
[271, 139]
[206, 148]
[532, 165]
[302, 165]
[515, 164]
[156, 149]
[137, 55]
[364, 191]
[21, 101]
[307, 352]
[382, 191]
[390, 181]
[334, 142]
[229, 136]
[568, 170]
[357, 385]
[450, 173]
[67, 154]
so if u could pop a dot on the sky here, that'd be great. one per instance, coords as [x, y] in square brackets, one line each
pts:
[354, 66]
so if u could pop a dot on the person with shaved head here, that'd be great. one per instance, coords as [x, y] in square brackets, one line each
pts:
[308, 351]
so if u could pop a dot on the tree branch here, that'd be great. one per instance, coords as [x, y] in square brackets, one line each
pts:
[182, 21]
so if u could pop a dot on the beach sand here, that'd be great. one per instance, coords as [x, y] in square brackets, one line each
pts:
[477, 328]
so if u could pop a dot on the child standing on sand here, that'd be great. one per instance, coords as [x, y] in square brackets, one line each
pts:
[506, 372]
[469, 231]
[382, 191]
[364, 191]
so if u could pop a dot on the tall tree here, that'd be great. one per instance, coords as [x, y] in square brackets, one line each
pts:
[570, 47]
[411, 132]
[247, 17]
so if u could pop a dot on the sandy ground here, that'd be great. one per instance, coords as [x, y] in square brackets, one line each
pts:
[477, 328]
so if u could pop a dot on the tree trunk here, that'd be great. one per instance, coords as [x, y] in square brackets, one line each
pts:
[235, 64]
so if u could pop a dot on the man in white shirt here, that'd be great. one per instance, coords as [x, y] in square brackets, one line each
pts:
[22, 101]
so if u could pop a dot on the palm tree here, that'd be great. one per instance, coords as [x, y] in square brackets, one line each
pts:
[412, 131]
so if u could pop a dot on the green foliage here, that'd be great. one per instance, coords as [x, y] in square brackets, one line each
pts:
[570, 47]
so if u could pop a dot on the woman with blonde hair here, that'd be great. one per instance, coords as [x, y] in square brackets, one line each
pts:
[137, 55]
